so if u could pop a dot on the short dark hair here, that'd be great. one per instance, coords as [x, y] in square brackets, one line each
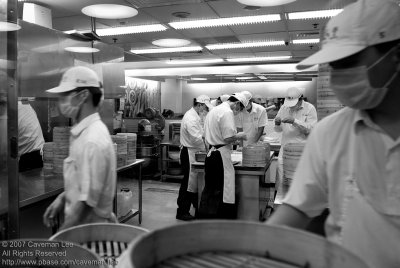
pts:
[95, 92]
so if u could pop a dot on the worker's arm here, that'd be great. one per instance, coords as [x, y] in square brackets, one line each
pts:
[52, 211]
[305, 126]
[80, 211]
[289, 216]
[238, 136]
[260, 132]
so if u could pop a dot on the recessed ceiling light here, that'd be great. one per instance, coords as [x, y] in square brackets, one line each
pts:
[194, 61]
[314, 14]
[224, 21]
[166, 50]
[306, 41]
[82, 49]
[244, 77]
[171, 42]
[264, 3]
[259, 59]
[246, 44]
[8, 26]
[131, 29]
[109, 11]
[198, 78]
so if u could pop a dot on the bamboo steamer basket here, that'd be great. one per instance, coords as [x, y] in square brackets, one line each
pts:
[218, 243]
[106, 240]
[255, 155]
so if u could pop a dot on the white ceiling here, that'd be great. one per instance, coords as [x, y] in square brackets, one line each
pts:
[67, 15]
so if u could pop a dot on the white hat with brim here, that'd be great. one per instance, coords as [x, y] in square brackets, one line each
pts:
[292, 97]
[76, 77]
[360, 25]
[330, 53]
[206, 100]
[241, 97]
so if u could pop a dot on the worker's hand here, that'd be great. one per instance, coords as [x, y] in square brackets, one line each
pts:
[50, 215]
[288, 120]
[277, 121]
[241, 136]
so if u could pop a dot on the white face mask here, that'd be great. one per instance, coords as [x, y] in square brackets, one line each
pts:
[69, 110]
[353, 88]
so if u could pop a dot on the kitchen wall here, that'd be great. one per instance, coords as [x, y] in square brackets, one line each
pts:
[178, 95]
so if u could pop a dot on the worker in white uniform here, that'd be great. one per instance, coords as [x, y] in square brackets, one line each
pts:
[191, 139]
[295, 119]
[218, 196]
[30, 138]
[351, 160]
[90, 169]
[251, 120]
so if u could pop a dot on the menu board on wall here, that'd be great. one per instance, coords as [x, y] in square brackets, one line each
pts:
[327, 103]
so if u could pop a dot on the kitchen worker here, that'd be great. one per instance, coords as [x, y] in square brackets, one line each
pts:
[191, 138]
[251, 120]
[30, 138]
[90, 169]
[351, 160]
[295, 119]
[218, 196]
[222, 98]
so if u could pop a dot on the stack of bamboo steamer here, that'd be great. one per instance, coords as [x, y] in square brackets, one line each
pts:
[291, 156]
[255, 155]
[131, 140]
[60, 147]
[48, 156]
[327, 102]
[122, 149]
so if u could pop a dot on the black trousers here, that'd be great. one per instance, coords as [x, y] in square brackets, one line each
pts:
[185, 198]
[211, 203]
[30, 161]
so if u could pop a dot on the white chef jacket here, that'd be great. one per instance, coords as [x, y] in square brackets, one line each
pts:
[90, 169]
[219, 124]
[191, 133]
[320, 179]
[251, 121]
[30, 135]
[305, 119]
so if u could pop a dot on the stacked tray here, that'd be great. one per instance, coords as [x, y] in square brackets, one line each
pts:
[291, 156]
[122, 149]
[48, 156]
[131, 140]
[60, 147]
[255, 155]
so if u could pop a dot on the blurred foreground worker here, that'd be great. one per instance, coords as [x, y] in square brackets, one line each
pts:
[191, 139]
[30, 138]
[251, 120]
[90, 169]
[218, 196]
[351, 160]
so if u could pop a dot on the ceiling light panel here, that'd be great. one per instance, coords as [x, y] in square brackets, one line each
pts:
[224, 21]
[306, 41]
[264, 3]
[109, 11]
[194, 61]
[255, 59]
[314, 14]
[171, 42]
[245, 45]
[166, 50]
[131, 29]
[82, 49]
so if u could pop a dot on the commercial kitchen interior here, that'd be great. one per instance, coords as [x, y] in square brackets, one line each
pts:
[258, 56]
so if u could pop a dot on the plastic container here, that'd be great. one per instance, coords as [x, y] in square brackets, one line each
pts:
[124, 201]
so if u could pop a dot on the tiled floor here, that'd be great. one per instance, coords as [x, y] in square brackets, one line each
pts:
[159, 203]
